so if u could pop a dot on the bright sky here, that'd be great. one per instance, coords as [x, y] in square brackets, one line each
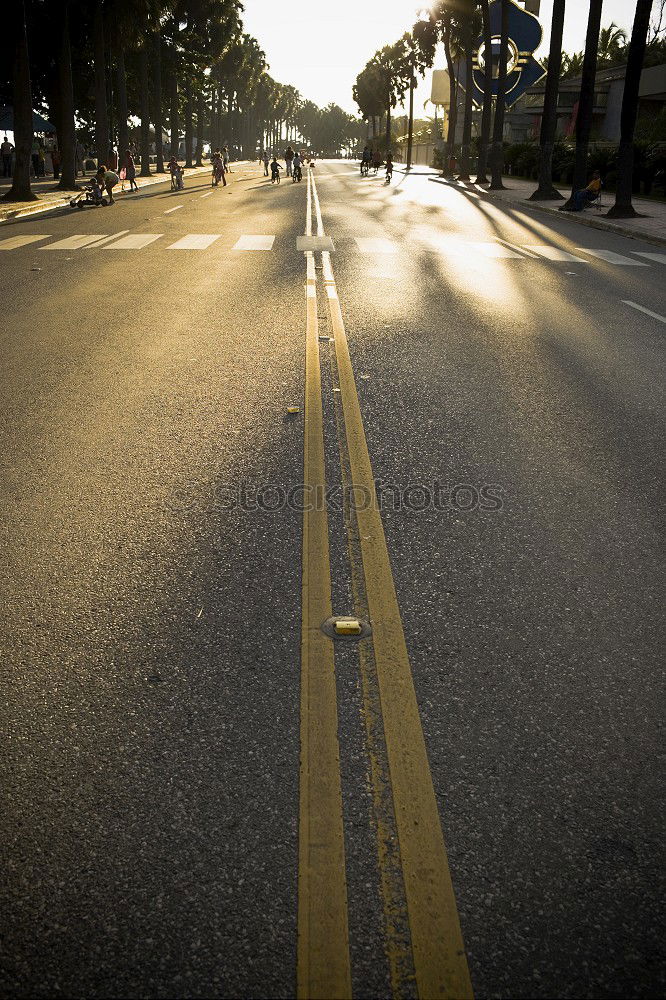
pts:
[320, 46]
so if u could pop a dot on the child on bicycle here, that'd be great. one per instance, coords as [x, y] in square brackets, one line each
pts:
[275, 170]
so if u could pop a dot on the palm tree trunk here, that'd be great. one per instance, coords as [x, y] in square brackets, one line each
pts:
[410, 135]
[623, 209]
[67, 129]
[101, 116]
[497, 158]
[22, 96]
[586, 99]
[453, 104]
[145, 109]
[388, 124]
[201, 110]
[467, 121]
[189, 124]
[484, 141]
[123, 133]
[545, 190]
[157, 102]
[174, 122]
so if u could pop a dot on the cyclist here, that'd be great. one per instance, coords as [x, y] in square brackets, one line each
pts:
[275, 170]
[296, 166]
[366, 159]
[376, 160]
[176, 172]
[389, 168]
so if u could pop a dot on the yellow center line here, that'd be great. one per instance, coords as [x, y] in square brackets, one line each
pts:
[439, 954]
[323, 935]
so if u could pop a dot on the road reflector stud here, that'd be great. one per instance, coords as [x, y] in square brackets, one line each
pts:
[346, 627]
[293, 409]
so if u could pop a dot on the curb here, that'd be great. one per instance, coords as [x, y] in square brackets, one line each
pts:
[37, 208]
[604, 227]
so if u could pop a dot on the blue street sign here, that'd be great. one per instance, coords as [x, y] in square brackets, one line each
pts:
[523, 70]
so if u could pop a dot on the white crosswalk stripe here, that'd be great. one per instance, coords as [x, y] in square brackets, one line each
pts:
[20, 241]
[135, 241]
[610, 257]
[74, 242]
[554, 253]
[255, 243]
[195, 241]
[496, 251]
[659, 258]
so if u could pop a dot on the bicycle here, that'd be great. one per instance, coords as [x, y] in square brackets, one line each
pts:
[297, 175]
[365, 167]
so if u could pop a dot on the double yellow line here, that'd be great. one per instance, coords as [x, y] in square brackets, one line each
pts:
[323, 947]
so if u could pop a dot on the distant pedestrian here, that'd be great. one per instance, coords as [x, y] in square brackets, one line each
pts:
[6, 149]
[267, 160]
[130, 170]
[79, 155]
[225, 159]
[34, 157]
[289, 159]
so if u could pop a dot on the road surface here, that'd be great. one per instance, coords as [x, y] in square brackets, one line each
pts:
[204, 794]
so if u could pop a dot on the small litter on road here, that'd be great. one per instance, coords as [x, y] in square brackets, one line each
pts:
[293, 410]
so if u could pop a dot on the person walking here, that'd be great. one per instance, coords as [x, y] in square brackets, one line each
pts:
[289, 159]
[267, 160]
[130, 170]
[6, 149]
[225, 159]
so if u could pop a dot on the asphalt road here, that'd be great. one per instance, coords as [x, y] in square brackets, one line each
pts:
[150, 630]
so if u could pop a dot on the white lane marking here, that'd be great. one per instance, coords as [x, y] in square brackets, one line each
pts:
[613, 258]
[134, 242]
[207, 195]
[74, 242]
[495, 250]
[20, 241]
[375, 245]
[174, 209]
[195, 241]
[659, 258]
[554, 253]
[315, 242]
[648, 312]
[107, 239]
[521, 250]
[254, 243]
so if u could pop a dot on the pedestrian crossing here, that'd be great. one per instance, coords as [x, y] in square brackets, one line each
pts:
[498, 250]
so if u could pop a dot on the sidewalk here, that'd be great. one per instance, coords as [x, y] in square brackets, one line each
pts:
[51, 198]
[651, 228]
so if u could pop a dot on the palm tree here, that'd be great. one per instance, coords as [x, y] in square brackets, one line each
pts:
[623, 209]
[612, 43]
[144, 85]
[497, 159]
[586, 99]
[468, 32]
[482, 165]
[157, 99]
[22, 97]
[420, 44]
[101, 114]
[66, 124]
[545, 190]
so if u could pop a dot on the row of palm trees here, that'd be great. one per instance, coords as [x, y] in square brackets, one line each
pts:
[384, 81]
[185, 64]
